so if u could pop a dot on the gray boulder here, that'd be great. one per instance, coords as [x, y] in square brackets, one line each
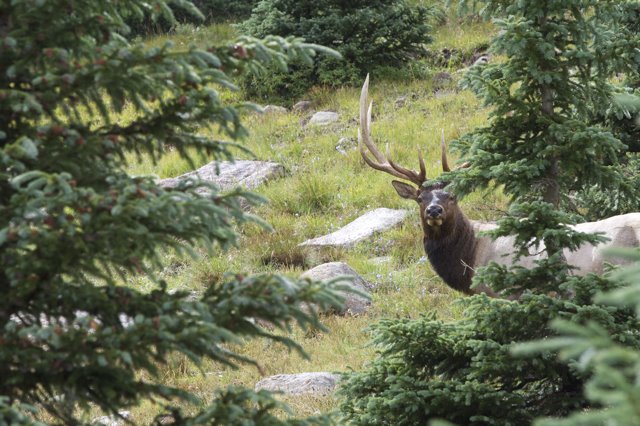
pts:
[401, 101]
[323, 118]
[441, 79]
[360, 229]
[354, 303]
[320, 383]
[346, 144]
[302, 106]
[274, 109]
[228, 175]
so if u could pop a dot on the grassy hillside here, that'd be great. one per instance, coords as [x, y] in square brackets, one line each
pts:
[324, 190]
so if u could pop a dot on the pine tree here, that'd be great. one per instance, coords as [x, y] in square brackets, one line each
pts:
[368, 34]
[540, 147]
[74, 225]
[612, 365]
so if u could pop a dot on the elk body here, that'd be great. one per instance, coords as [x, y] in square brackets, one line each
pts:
[449, 238]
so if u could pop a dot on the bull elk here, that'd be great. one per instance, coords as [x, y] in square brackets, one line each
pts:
[449, 238]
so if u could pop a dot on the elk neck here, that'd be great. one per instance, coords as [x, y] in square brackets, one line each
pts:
[451, 249]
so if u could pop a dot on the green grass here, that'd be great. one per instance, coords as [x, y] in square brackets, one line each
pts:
[322, 191]
[186, 35]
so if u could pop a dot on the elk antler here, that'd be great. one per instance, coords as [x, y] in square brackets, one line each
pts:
[443, 148]
[445, 163]
[383, 164]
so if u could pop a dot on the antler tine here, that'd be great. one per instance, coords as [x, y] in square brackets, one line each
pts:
[364, 134]
[417, 178]
[445, 164]
[364, 139]
[423, 170]
[443, 148]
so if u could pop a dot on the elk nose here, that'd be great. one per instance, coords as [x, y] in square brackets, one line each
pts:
[434, 211]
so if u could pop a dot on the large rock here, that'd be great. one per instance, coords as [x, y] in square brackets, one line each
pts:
[323, 118]
[354, 303]
[245, 173]
[360, 229]
[304, 383]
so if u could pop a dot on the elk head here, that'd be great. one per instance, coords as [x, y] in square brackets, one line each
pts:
[438, 208]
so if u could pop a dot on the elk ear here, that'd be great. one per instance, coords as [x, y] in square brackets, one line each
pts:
[405, 190]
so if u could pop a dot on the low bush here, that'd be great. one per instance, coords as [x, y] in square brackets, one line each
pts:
[368, 34]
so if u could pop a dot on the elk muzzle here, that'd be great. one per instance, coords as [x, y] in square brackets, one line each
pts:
[434, 213]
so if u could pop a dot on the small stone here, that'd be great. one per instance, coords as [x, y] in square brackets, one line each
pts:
[482, 60]
[302, 106]
[401, 101]
[274, 109]
[112, 420]
[346, 144]
[323, 118]
[441, 79]
[380, 260]
[440, 94]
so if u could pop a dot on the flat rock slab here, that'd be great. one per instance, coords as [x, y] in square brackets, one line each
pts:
[360, 229]
[322, 118]
[354, 303]
[321, 383]
[228, 175]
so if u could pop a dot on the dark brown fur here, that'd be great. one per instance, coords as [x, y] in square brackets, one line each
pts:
[451, 250]
[450, 246]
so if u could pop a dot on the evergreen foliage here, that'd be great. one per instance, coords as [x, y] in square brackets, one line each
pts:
[74, 226]
[541, 146]
[463, 372]
[368, 34]
[612, 364]
[210, 11]
[621, 116]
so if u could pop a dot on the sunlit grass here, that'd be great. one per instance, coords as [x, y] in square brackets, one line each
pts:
[184, 36]
[456, 33]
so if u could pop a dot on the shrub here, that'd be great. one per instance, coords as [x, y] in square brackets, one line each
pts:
[212, 11]
[598, 203]
[367, 34]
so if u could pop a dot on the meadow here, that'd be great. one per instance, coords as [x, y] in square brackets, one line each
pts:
[322, 191]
